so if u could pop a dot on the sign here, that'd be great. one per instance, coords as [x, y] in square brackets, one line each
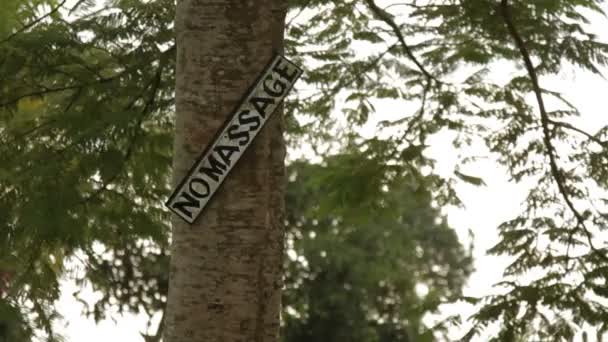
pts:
[207, 174]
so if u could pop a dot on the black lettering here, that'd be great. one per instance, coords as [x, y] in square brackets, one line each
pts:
[190, 202]
[278, 87]
[246, 120]
[260, 104]
[216, 169]
[235, 134]
[197, 193]
[226, 151]
[283, 71]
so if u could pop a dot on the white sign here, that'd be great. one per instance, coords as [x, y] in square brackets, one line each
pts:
[206, 175]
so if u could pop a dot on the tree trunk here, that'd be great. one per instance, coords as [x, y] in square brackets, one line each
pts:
[225, 277]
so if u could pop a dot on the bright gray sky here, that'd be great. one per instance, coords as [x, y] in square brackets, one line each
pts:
[486, 208]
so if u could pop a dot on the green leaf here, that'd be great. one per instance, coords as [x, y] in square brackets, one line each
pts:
[469, 179]
[367, 36]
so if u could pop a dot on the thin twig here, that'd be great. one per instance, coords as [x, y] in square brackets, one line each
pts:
[288, 24]
[33, 23]
[46, 91]
[591, 137]
[149, 103]
[388, 19]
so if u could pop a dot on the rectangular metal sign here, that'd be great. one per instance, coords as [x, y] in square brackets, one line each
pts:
[207, 174]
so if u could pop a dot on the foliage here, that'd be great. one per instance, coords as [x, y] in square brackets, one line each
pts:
[85, 148]
[440, 55]
[85, 145]
[380, 255]
[354, 268]
[30, 12]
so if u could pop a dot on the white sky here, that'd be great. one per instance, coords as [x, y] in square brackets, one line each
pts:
[486, 208]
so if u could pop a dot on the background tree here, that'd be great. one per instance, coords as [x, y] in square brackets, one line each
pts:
[371, 267]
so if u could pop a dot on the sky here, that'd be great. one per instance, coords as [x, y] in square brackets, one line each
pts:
[486, 207]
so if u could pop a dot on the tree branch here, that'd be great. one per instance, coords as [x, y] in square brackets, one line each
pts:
[545, 121]
[46, 91]
[388, 19]
[589, 136]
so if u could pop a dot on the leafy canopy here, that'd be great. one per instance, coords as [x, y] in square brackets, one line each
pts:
[359, 271]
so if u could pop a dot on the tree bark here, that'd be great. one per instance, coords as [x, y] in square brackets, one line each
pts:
[225, 275]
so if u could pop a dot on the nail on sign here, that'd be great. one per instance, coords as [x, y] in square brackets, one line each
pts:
[204, 178]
